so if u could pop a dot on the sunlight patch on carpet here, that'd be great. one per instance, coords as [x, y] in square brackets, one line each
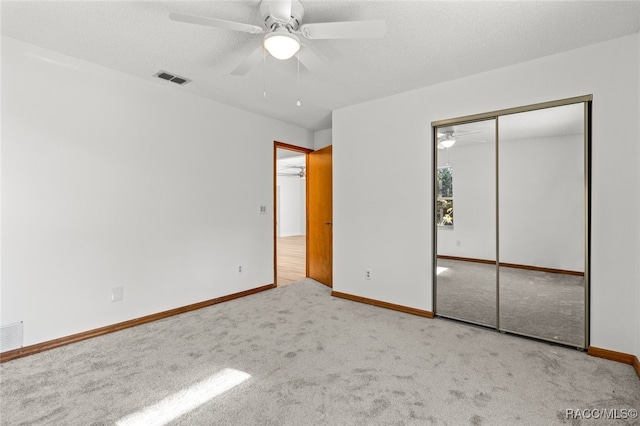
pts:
[174, 406]
[440, 269]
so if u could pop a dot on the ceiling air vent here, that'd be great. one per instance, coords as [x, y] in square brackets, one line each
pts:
[172, 77]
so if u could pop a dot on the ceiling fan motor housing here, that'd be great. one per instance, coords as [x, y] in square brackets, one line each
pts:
[297, 13]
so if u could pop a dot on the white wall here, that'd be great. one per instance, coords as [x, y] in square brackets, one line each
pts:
[382, 179]
[292, 219]
[637, 169]
[322, 138]
[111, 180]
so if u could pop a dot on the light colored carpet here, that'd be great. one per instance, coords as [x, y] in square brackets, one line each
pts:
[313, 360]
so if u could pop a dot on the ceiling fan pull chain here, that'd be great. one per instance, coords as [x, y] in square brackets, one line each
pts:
[298, 82]
[264, 72]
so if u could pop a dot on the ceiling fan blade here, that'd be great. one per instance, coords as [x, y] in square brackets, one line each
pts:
[249, 62]
[464, 133]
[344, 30]
[217, 23]
[314, 64]
[280, 10]
[471, 140]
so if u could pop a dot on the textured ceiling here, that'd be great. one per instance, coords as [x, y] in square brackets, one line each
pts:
[427, 42]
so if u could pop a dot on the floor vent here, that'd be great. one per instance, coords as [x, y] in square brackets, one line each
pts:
[172, 77]
[11, 337]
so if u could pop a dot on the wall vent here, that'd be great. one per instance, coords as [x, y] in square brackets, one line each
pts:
[172, 77]
[11, 337]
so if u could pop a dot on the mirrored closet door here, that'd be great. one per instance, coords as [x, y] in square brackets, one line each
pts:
[511, 220]
[466, 221]
[542, 223]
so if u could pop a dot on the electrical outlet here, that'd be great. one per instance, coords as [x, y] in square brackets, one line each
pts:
[116, 294]
[239, 268]
[263, 209]
[458, 243]
[367, 274]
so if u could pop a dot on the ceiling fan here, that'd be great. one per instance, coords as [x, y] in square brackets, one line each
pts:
[447, 138]
[282, 29]
[287, 171]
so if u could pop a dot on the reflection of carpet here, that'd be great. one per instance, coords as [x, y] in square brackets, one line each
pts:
[313, 360]
[541, 304]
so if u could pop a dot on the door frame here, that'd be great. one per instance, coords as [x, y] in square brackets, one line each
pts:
[306, 151]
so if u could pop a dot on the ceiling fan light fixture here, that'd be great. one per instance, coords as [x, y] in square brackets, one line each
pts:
[447, 142]
[281, 44]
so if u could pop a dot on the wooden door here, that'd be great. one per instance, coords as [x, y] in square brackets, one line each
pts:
[320, 216]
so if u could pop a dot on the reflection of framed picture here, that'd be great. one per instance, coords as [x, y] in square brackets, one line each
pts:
[444, 199]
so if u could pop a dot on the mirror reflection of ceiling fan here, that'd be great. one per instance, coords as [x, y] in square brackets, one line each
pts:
[448, 137]
[282, 29]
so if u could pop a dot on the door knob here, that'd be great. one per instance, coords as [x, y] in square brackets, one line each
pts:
[327, 223]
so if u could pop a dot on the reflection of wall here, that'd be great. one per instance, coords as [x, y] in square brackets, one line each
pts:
[474, 204]
[292, 206]
[541, 202]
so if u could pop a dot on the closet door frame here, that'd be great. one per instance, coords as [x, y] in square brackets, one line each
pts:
[586, 100]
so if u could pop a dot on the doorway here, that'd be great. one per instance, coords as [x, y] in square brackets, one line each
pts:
[302, 229]
[290, 220]
[511, 220]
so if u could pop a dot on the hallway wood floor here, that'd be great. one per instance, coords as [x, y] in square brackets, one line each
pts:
[291, 259]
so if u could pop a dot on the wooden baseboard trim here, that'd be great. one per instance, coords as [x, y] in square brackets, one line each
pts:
[615, 356]
[467, 259]
[513, 265]
[611, 355]
[405, 309]
[51, 344]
